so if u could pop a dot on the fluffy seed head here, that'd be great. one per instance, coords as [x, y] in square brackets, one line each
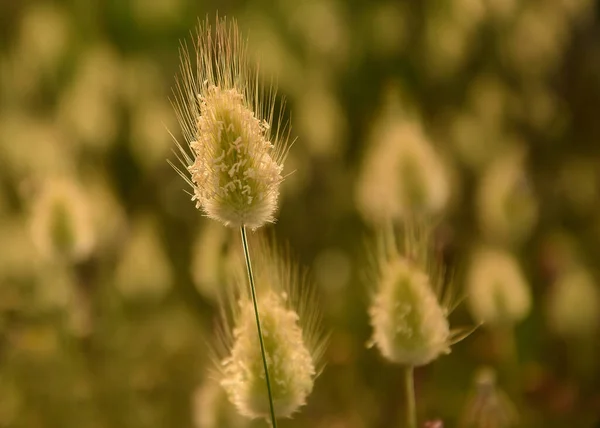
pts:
[291, 368]
[234, 157]
[573, 305]
[507, 207]
[409, 325]
[61, 224]
[402, 174]
[498, 293]
[291, 338]
[410, 305]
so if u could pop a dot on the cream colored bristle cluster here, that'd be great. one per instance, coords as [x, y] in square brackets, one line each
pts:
[61, 223]
[291, 337]
[290, 363]
[234, 159]
[507, 207]
[235, 176]
[573, 304]
[402, 174]
[410, 302]
[498, 293]
[409, 325]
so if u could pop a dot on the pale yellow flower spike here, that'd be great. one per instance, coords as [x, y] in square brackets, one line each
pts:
[293, 340]
[235, 153]
[411, 300]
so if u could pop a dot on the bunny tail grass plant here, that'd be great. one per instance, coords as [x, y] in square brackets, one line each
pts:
[61, 226]
[292, 340]
[235, 145]
[410, 305]
[499, 297]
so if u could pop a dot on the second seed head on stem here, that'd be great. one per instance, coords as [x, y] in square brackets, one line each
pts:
[291, 335]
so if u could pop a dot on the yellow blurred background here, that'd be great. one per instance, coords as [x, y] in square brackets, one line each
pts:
[482, 114]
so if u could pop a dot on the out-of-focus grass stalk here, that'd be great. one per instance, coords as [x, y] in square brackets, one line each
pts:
[409, 391]
[260, 336]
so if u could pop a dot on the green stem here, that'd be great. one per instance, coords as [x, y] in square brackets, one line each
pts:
[409, 391]
[260, 336]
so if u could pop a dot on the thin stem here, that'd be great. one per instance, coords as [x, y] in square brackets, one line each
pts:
[260, 336]
[409, 392]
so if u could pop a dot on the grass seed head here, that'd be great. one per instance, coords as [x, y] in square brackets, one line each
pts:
[61, 224]
[498, 293]
[573, 305]
[507, 207]
[291, 368]
[234, 153]
[402, 174]
[291, 336]
[410, 304]
[409, 325]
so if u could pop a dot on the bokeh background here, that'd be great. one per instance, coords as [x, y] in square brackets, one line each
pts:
[108, 274]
